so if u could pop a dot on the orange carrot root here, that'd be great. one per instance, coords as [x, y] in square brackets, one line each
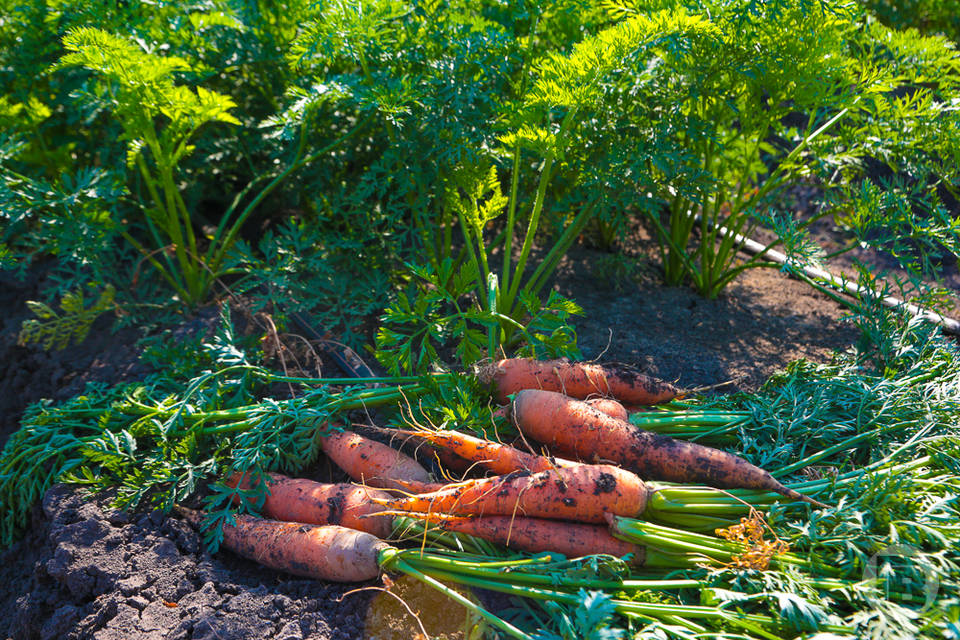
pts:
[370, 462]
[576, 379]
[584, 493]
[414, 486]
[535, 535]
[321, 552]
[302, 500]
[610, 407]
[493, 456]
[573, 428]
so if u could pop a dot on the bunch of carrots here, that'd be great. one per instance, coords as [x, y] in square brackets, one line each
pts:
[593, 470]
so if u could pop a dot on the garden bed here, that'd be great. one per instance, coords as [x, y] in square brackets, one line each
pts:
[205, 204]
[85, 571]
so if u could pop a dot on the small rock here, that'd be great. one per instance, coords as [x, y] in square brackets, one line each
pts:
[120, 626]
[132, 584]
[118, 517]
[158, 616]
[138, 602]
[195, 602]
[281, 602]
[58, 625]
[290, 631]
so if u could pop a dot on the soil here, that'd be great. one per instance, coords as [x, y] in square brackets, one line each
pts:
[763, 321]
[86, 571]
[29, 374]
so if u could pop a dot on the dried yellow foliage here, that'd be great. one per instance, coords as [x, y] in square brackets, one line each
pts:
[750, 533]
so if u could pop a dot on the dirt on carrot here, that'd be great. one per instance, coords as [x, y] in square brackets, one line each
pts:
[584, 493]
[573, 428]
[303, 500]
[323, 552]
[576, 379]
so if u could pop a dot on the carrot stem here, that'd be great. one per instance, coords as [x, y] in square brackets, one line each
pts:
[400, 565]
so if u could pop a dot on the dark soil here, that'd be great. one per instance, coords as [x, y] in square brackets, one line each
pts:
[763, 321]
[29, 374]
[85, 571]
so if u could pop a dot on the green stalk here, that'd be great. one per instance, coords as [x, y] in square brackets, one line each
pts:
[172, 226]
[547, 266]
[395, 562]
[673, 256]
[694, 522]
[180, 222]
[656, 610]
[218, 248]
[247, 421]
[158, 205]
[511, 216]
[515, 175]
[709, 508]
[481, 274]
[840, 446]
[545, 175]
[519, 577]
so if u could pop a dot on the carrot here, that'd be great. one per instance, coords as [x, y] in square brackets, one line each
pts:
[327, 552]
[302, 500]
[536, 535]
[576, 379]
[610, 407]
[415, 486]
[584, 493]
[573, 428]
[449, 460]
[371, 462]
[494, 456]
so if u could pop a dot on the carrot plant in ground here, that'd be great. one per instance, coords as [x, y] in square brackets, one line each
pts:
[723, 105]
[66, 189]
[500, 171]
[339, 281]
[139, 88]
[463, 300]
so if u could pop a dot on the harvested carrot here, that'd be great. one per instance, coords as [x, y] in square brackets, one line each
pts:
[576, 379]
[536, 535]
[371, 462]
[302, 500]
[327, 552]
[449, 460]
[610, 407]
[493, 456]
[415, 486]
[573, 428]
[584, 493]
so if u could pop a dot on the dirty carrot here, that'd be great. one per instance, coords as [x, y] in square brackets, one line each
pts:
[303, 500]
[610, 407]
[323, 552]
[576, 379]
[493, 456]
[573, 428]
[584, 493]
[536, 535]
[371, 462]
[449, 461]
